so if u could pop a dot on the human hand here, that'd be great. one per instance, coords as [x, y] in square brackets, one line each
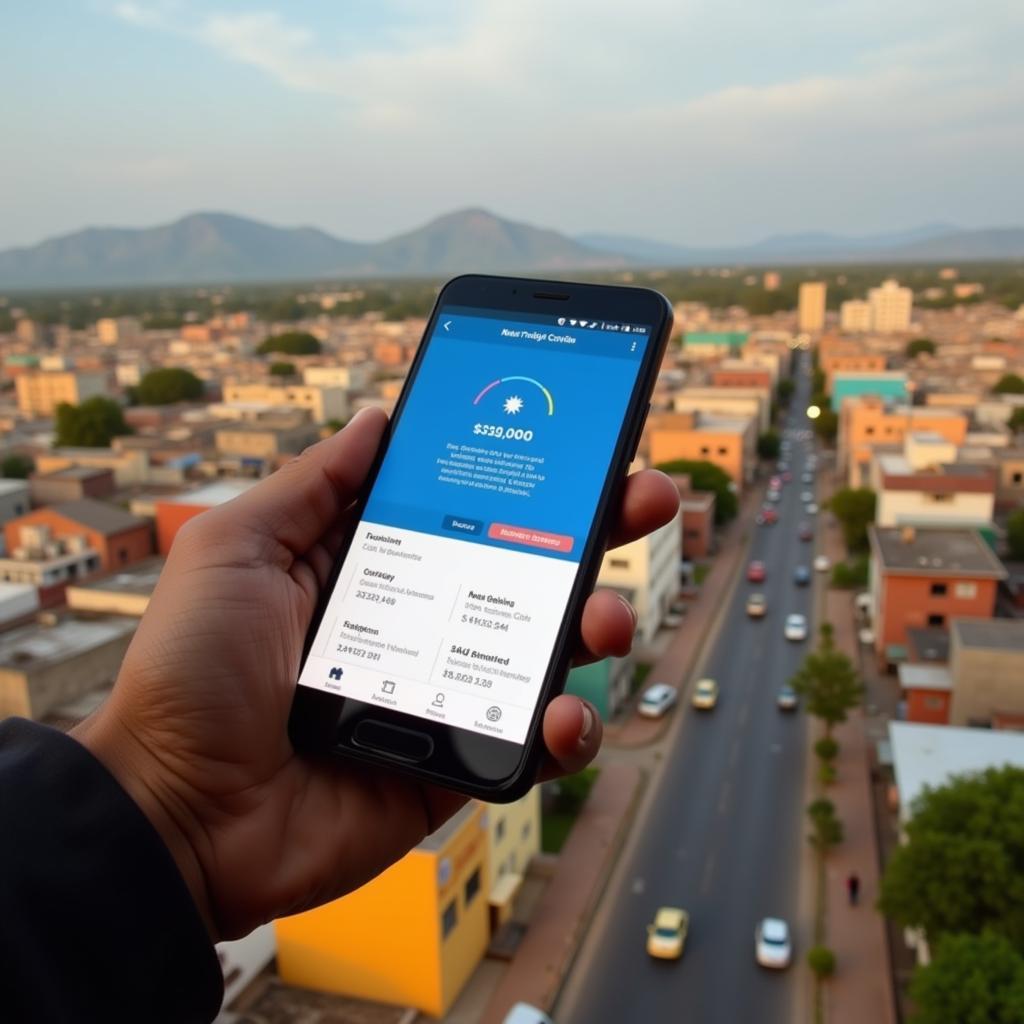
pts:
[196, 727]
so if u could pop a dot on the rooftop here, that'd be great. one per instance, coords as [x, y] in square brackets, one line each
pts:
[74, 473]
[924, 677]
[929, 755]
[139, 579]
[37, 645]
[929, 643]
[931, 551]
[436, 840]
[990, 634]
[210, 495]
[13, 486]
[98, 515]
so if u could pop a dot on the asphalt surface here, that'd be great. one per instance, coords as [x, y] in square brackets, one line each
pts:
[722, 832]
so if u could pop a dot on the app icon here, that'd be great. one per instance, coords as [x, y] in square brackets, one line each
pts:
[336, 673]
[388, 686]
[493, 713]
[438, 701]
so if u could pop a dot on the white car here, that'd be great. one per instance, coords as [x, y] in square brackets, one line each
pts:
[524, 1013]
[811, 508]
[796, 627]
[772, 945]
[807, 497]
[672, 620]
[657, 699]
[822, 564]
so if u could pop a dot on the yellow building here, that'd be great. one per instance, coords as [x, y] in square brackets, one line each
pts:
[322, 401]
[39, 394]
[513, 832]
[811, 306]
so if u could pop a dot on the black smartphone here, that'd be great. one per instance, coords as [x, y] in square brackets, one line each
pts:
[452, 614]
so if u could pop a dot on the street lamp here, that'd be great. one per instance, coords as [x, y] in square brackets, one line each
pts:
[813, 412]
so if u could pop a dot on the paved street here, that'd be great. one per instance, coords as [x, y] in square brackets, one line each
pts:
[721, 834]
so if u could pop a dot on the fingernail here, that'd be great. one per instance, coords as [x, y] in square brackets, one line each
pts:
[588, 722]
[630, 609]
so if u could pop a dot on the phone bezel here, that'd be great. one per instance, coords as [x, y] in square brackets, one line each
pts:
[324, 722]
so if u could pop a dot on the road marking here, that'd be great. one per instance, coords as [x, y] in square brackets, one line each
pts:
[723, 799]
[708, 873]
[638, 886]
[744, 713]
[734, 753]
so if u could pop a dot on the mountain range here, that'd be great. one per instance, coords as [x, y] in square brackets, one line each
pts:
[219, 247]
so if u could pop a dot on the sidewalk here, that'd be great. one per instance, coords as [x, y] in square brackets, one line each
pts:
[535, 974]
[696, 631]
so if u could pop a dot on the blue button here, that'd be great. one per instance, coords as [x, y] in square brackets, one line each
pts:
[456, 524]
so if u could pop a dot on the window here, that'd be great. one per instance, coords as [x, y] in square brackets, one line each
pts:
[499, 830]
[937, 498]
[965, 591]
[1018, 478]
[449, 919]
[619, 563]
[937, 620]
[934, 703]
[122, 554]
[723, 451]
[472, 886]
[869, 431]
[705, 450]
[939, 589]
[526, 830]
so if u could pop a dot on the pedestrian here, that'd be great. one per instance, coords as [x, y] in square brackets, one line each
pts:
[853, 888]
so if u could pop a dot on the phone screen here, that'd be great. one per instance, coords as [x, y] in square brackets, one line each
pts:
[454, 588]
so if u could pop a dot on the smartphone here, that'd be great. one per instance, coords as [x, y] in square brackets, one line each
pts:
[454, 609]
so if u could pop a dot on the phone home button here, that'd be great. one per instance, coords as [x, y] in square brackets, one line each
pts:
[408, 744]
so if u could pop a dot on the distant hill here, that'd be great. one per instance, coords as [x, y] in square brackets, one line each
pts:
[219, 247]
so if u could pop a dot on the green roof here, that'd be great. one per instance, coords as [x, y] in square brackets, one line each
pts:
[734, 339]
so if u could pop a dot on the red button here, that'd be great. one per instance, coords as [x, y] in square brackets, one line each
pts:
[531, 538]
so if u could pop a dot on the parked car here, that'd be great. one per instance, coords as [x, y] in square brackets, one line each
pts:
[757, 605]
[787, 699]
[807, 497]
[756, 572]
[806, 531]
[666, 937]
[705, 694]
[775, 483]
[773, 496]
[796, 627]
[801, 575]
[807, 478]
[767, 516]
[822, 563]
[524, 1013]
[811, 508]
[657, 699]
[772, 946]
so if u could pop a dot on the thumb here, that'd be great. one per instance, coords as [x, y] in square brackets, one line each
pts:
[299, 503]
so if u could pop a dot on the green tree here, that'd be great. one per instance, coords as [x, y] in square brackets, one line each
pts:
[826, 426]
[822, 961]
[854, 507]
[918, 345]
[962, 866]
[282, 369]
[1009, 384]
[768, 445]
[1016, 420]
[168, 385]
[826, 828]
[784, 391]
[93, 424]
[16, 467]
[972, 979]
[291, 343]
[706, 476]
[828, 682]
[1014, 534]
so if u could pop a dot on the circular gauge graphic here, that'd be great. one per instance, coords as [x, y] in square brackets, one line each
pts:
[516, 398]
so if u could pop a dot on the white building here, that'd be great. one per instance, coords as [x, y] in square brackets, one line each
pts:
[323, 402]
[14, 499]
[742, 403]
[114, 330]
[352, 378]
[646, 572]
[891, 307]
[855, 315]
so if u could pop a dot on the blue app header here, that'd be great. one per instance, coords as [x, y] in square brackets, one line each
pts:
[507, 434]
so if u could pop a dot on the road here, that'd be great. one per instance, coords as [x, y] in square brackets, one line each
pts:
[722, 831]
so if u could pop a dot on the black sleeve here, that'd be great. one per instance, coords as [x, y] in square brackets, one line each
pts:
[96, 923]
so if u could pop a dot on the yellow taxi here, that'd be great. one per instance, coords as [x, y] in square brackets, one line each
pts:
[667, 936]
[705, 694]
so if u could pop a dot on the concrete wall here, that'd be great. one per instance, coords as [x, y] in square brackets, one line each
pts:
[984, 681]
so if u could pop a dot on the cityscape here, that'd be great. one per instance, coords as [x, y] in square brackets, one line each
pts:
[807, 805]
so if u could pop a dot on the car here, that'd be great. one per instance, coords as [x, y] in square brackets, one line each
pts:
[756, 572]
[767, 516]
[782, 465]
[807, 497]
[757, 606]
[773, 496]
[801, 575]
[705, 694]
[672, 620]
[772, 946]
[795, 627]
[787, 476]
[806, 531]
[787, 699]
[667, 935]
[657, 699]
[807, 478]
[775, 483]
[811, 508]
[524, 1013]
[822, 563]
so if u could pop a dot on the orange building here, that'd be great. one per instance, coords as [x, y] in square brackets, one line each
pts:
[729, 444]
[928, 693]
[173, 512]
[851, 360]
[869, 421]
[747, 377]
[923, 577]
[119, 537]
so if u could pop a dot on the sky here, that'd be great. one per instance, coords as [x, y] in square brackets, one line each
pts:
[699, 122]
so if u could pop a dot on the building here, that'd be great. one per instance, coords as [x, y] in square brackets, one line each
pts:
[266, 440]
[412, 936]
[607, 684]
[713, 344]
[126, 592]
[513, 834]
[351, 378]
[646, 573]
[17, 601]
[987, 667]
[927, 577]
[117, 330]
[48, 563]
[731, 403]
[737, 373]
[730, 444]
[890, 386]
[927, 692]
[45, 665]
[833, 359]
[321, 401]
[1009, 477]
[72, 484]
[40, 393]
[810, 316]
[855, 316]
[173, 511]
[891, 307]
[14, 499]
[130, 466]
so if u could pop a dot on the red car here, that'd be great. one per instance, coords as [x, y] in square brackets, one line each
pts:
[767, 516]
[806, 531]
[756, 572]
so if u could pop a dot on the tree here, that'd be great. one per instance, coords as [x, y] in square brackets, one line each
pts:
[919, 345]
[1016, 420]
[1009, 384]
[962, 866]
[1014, 533]
[972, 979]
[168, 385]
[93, 424]
[282, 369]
[16, 467]
[828, 682]
[827, 829]
[291, 343]
[768, 445]
[822, 961]
[826, 426]
[706, 476]
[854, 507]
[785, 390]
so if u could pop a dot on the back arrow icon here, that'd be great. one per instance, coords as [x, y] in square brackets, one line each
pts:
[447, 325]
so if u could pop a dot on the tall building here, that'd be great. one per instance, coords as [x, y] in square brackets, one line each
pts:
[855, 315]
[811, 307]
[113, 330]
[891, 306]
[39, 394]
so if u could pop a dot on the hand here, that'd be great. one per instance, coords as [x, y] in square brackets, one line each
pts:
[195, 729]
